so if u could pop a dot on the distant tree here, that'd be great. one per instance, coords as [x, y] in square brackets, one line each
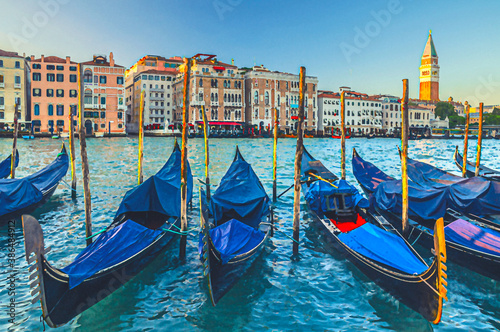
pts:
[444, 109]
[456, 120]
[496, 111]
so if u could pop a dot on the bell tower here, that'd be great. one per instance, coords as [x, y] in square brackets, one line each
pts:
[429, 72]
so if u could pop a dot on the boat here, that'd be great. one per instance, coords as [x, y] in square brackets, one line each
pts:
[471, 241]
[235, 227]
[470, 169]
[21, 195]
[372, 244]
[55, 136]
[99, 134]
[6, 164]
[338, 133]
[146, 221]
[64, 135]
[28, 137]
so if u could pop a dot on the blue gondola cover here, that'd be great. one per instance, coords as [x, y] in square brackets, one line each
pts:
[474, 237]
[110, 248]
[368, 175]
[317, 191]
[161, 192]
[5, 165]
[234, 238]
[384, 247]
[240, 192]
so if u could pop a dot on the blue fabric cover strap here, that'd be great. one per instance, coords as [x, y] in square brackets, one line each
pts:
[110, 248]
[383, 247]
[50, 175]
[234, 238]
[5, 165]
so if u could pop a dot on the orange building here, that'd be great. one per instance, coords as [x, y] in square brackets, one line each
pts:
[104, 96]
[54, 91]
[429, 72]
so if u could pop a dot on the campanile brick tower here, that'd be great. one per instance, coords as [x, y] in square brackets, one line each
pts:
[429, 72]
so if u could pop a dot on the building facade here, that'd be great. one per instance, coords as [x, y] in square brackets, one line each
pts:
[429, 72]
[155, 75]
[391, 113]
[267, 90]
[54, 93]
[14, 85]
[217, 86]
[104, 96]
[363, 113]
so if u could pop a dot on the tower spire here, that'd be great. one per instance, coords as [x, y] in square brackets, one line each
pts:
[429, 71]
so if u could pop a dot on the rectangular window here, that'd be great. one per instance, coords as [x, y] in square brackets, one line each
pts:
[1, 63]
[102, 79]
[60, 123]
[50, 92]
[60, 110]
[103, 100]
[51, 109]
[60, 77]
[50, 67]
[1, 78]
[18, 64]
[59, 93]
[120, 115]
[37, 109]
[96, 79]
[72, 78]
[17, 80]
[72, 68]
[2, 115]
[73, 93]
[103, 115]
[60, 68]
[157, 78]
[150, 77]
[51, 78]
[2, 101]
[144, 77]
[37, 92]
[119, 80]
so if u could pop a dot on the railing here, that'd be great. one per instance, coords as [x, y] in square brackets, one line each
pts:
[2, 107]
[157, 98]
[17, 85]
[2, 85]
[214, 103]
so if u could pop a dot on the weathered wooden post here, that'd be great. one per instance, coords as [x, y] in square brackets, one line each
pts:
[298, 161]
[185, 110]
[466, 139]
[404, 155]
[141, 139]
[342, 137]
[479, 138]
[72, 148]
[85, 163]
[14, 144]
[207, 153]
[275, 150]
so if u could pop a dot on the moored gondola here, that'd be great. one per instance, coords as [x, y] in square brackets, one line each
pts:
[372, 244]
[470, 168]
[471, 242]
[22, 195]
[6, 164]
[235, 227]
[145, 223]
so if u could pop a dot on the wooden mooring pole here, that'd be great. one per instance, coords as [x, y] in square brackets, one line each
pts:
[466, 139]
[72, 147]
[207, 152]
[298, 161]
[404, 156]
[479, 139]
[85, 163]
[342, 137]
[275, 150]
[14, 144]
[140, 175]
[185, 110]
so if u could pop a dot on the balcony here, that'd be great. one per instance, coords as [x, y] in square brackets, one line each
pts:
[214, 103]
[95, 106]
[156, 98]
[2, 107]
[121, 107]
[2, 85]
[103, 107]
[17, 85]
[156, 90]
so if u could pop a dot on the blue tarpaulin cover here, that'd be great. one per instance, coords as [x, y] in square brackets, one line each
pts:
[426, 175]
[368, 175]
[110, 248]
[161, 192]
[474, 237]
[6, 164]
[16, 194]
[234, 238]
[384, 247]
[240, 194]
[317, 191]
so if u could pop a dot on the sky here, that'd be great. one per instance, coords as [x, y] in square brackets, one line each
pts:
[368, 45]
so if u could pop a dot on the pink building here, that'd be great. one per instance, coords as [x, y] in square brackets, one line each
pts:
[54, 91]
[104, 96]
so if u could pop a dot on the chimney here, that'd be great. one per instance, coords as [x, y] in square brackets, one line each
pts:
[111, 60]
[68, 59]
[32, 57]
[42, 58]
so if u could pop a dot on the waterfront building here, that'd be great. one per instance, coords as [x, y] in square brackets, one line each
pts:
[363, 113]
[429, 72]
[54, 93]
[391, 113]
[217, 86]
[14, 85]
[155, 75]
[104, 95]
[266, 90]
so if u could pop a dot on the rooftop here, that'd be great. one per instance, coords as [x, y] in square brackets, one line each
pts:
[10, 54]
[52, 59]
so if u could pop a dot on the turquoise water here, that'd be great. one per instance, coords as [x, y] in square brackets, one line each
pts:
[316, 291]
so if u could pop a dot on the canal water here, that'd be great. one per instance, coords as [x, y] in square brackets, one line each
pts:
[316, 291]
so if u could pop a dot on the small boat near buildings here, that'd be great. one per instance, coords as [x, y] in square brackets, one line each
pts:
[6, 164]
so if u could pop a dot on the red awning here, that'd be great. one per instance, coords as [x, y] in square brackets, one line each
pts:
[295, 117]
[219, 68]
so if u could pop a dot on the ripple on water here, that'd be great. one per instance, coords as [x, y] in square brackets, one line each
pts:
[317, 291]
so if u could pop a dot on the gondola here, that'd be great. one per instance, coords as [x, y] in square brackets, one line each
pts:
[372, 244]
[22, 195]
[470, 169]
[5, 165]
[470, 241]
[235, 227]
[338, 133]
[144, 224]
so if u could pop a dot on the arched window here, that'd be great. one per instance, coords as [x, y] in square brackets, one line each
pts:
[236, 84]
[225, 97]
[239, 98]
[256, 97]
[87, 76]
[232, 98]
[212, 97]
[216, 97]
[37, 109]
[200, 96]
[279, 102]
[201, 82]
[51, 109]
[266, 97]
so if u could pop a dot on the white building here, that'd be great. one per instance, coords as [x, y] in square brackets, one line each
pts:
[391, 112]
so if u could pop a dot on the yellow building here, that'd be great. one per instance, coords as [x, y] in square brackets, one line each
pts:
[13, 88]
